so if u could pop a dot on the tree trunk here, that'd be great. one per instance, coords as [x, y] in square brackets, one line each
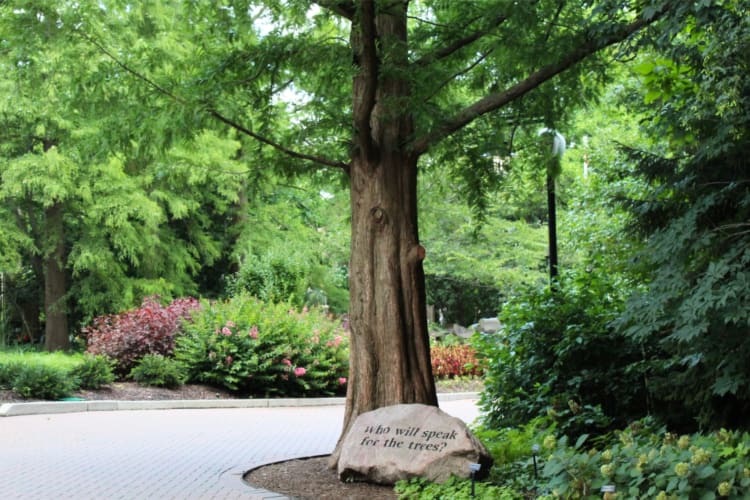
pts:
[56, 320]
[389, 352]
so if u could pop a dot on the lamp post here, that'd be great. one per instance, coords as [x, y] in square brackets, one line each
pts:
[553, 170]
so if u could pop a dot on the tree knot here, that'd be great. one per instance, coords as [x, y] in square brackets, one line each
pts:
[378, 215]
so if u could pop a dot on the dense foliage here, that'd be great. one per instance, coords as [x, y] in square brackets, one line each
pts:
[652, 463]
[259, 348]
[694, 213]
[158, 371]
[641, 461]
[36, 375]
[558, 355]
[130, 335]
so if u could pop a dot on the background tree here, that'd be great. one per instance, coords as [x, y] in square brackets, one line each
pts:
[95, 211]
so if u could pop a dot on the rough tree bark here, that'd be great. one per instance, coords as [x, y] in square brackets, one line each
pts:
[389, 347]
[56, 320]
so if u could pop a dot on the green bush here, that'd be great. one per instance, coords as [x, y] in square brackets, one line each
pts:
[94, 372]
[463, 301]
[559, 356]
[158, 371]
[272, 277]
[40, 381]
[8, 371]
[647, 464]
[257, 348]
[294, 276]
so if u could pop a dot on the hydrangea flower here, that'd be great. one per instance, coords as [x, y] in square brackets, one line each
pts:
[253, 333]
[681, 469]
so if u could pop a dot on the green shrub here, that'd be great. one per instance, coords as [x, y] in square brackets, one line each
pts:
[40, 381]
[272, 277]
[559, 356]
[8, 371]
[294, 275]
[462, 300]
[647, 464]
[94, 372]
[158, 371]
[253, 347]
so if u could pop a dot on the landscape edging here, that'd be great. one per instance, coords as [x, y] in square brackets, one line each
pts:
[53, 407]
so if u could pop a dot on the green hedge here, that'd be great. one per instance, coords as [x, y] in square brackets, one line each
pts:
[36, 375]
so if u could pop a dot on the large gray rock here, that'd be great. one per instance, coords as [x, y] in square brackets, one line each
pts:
[489, 325]
[409, 440]
[462, 331]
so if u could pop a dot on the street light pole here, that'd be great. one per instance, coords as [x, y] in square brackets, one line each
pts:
[553, 170]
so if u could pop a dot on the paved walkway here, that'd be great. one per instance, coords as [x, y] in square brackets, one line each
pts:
[160, 454]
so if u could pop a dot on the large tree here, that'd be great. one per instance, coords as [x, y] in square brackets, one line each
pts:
[421, 73]
[368, 88]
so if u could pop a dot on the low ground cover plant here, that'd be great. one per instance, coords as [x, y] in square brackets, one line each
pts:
[259, 348]
[648, 463]
[42, 381]
[128, 336]
[641, 461]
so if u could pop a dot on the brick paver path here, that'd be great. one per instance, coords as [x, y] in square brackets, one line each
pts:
[160, 454]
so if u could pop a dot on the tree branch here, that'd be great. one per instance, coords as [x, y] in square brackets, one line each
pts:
[214, 113]
[459, 44]
[451, 78]
[495, 101]
[289, 152]
[344, 8]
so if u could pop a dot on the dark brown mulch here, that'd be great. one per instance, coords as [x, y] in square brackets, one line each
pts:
[312, 479]
[130, 391]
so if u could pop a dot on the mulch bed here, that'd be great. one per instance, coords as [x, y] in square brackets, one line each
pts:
[130, 391]
[312, 479]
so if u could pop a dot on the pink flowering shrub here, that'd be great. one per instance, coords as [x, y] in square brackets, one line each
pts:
[454, 361]
[258, 348]
[128, 336]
